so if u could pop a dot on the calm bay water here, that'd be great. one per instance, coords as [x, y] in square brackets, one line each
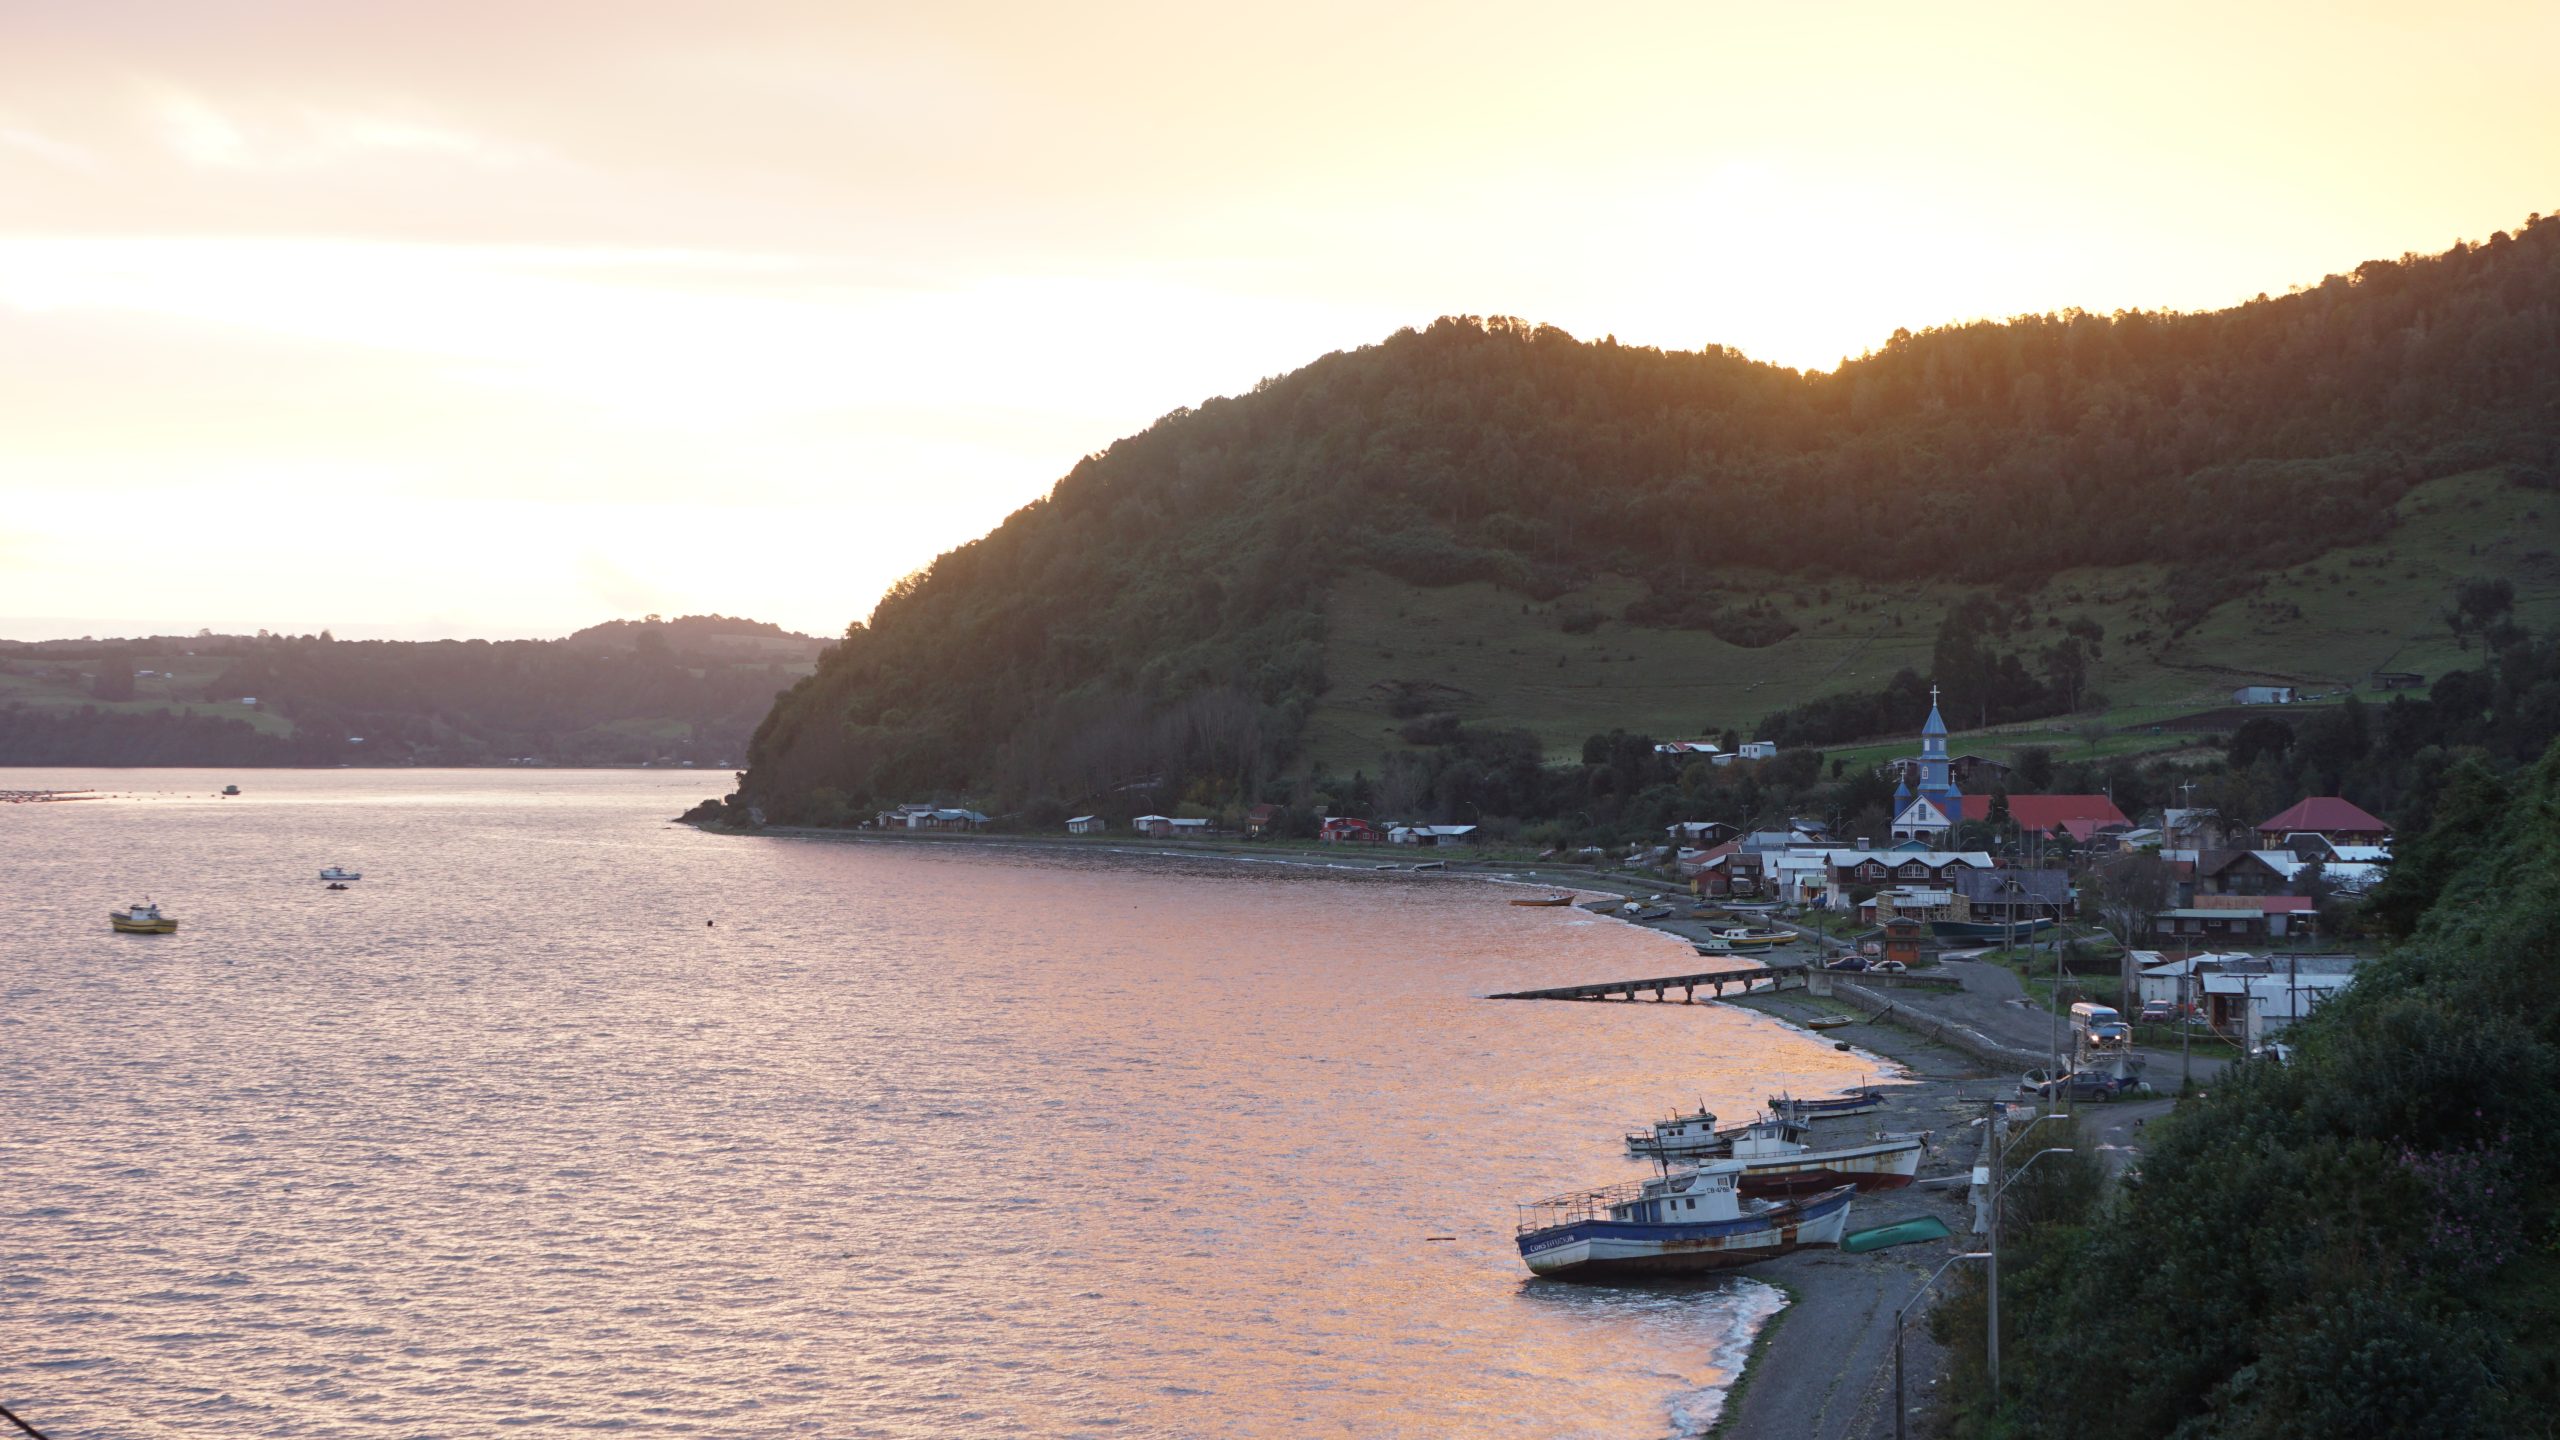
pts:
[914, 1141]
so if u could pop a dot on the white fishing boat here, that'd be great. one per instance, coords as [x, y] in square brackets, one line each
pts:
[1777, 1159]
[337, 873]
[142, 919]
[1684, 1222]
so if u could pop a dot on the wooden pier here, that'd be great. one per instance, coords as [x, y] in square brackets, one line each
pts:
[1778, 974]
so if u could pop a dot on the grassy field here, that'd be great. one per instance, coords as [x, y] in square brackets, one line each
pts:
[1497, 658]
[64, 685]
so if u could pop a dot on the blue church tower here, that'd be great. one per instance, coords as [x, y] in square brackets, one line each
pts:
[1927, 811]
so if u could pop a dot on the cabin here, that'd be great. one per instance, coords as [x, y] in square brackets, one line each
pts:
[1431, 835]
[1699, 834]
[1758, 750]
[1902, 936]
[1259, 820]
[2203, 925]
[1156, 826]
[1347, 830]
[2244, 872]
[2265, 695]
[1684, 748]
[1087, 825]
[1187, 829]
[2253, 1000]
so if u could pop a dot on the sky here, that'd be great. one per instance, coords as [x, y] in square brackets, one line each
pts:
[483, 319]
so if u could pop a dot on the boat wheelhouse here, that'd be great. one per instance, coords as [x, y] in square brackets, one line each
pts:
[1684, 1222]
[1683, 1137]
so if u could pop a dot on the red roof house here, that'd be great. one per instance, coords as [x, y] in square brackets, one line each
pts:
[2080, 815]
[2341, 821]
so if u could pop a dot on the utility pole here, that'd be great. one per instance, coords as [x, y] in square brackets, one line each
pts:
[1991, 1131]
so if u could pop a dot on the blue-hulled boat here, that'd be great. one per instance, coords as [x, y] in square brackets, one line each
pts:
[1684, 1222]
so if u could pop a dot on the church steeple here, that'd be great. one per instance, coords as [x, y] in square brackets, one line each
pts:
[1925, 810]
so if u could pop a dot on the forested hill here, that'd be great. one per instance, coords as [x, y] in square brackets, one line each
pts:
[689, 690]
[1162, 614]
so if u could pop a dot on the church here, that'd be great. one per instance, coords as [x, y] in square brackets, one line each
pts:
[1927, 808]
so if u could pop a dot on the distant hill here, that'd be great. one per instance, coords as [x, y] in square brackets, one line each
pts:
[688, 690]
[1493, 520]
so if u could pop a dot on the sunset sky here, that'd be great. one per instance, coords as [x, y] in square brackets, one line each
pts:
[502, 319]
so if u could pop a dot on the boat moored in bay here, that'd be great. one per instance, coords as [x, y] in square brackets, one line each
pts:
[336, 872]
[143, 918]
[1684, 1222]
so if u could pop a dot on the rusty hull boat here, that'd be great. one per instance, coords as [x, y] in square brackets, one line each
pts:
[1684, 1222]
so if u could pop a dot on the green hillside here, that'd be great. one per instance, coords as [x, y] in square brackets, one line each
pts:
[1497, 658]
[1492, 521]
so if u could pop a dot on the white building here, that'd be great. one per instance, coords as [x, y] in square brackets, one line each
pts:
[1431, 834]
[2264, 695]
[1087, 825]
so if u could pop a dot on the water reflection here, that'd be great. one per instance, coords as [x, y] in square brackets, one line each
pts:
[913, 1141]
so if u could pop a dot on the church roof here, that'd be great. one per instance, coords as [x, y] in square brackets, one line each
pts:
[1936, 725]
[2082, 815]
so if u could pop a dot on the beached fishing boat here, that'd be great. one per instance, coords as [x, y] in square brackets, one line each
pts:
[1685, 1222]
[1742, 940]
[1990, 929]
[1777, 1159]
[1828, 1107]
[1549, 902]
[142, 919]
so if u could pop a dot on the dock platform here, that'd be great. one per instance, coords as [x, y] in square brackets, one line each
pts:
[1779, 975]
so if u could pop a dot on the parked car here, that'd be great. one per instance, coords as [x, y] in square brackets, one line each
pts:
[1846, 962]
[2275, 1050]
[1889, 967]
[2080, 1085]
[2156, 1012]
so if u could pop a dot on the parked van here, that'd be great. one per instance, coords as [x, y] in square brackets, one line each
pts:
[2097, 1028]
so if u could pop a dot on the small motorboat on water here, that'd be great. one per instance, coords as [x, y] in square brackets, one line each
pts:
[1861, 1101]
[337, 873]
[1684, 1222]
[142, 919]
[230, 789]
[1548, 902]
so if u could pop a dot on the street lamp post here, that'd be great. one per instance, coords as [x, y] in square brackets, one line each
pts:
[1899, 1409]
[1999, 1189]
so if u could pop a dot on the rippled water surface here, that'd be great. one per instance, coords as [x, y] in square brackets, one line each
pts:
[915, 1140]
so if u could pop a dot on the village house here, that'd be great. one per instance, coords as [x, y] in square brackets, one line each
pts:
[1259, 820]
[1347, 829]
[1087, 825]
[1431, 835]
[2338, 821]
[2203, 925]
[2252, 1000]
[1182, 829]
[2284, 914]
[2000, 897]
[1677, 748]
[929, 817]
[1157, 826]
[1699, 834]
